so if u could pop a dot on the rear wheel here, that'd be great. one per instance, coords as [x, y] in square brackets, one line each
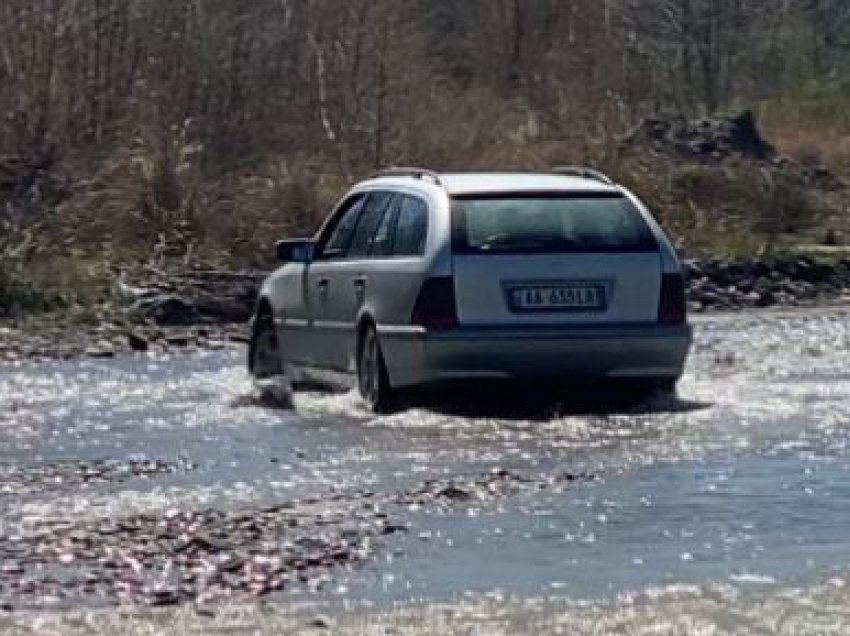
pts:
[372, 378]
[666, 386]
[264, 352]
[652, 387]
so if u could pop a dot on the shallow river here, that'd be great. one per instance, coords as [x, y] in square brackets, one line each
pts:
[744, 480]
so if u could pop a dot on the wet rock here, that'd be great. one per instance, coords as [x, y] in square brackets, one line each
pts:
[454, 493]
[101, 349]
[226, 309]
[184, 298]
[137, 343]
[394, 528]
[320, 622]
[272, 393]
[166, 311]
[757, 283]
[181, 341]
[161, 597]
[713, 139]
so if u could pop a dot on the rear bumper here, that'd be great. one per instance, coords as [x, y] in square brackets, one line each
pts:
[416, 356]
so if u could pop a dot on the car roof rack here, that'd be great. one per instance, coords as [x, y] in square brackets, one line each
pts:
[584, 172]
[416, 173]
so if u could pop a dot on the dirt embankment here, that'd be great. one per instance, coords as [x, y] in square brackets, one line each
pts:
[717, 185]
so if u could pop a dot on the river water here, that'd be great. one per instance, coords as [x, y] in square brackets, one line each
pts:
[743, 480]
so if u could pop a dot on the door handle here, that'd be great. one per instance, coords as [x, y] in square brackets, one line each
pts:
[323, 284]
[360, 282]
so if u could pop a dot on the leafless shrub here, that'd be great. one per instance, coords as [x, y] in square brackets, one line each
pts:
[203, 129]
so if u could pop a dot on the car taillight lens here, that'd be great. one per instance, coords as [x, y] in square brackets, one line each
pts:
[672, 307]
[435, 308]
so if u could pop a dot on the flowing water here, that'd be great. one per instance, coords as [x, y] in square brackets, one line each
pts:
[742, 481]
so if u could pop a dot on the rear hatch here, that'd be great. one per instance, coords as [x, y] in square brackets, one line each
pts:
[582, 258]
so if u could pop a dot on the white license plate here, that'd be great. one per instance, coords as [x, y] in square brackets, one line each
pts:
[554, 297]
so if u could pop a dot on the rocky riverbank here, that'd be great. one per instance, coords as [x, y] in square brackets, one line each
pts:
[726, 285]
[160, 312]
[149, 311]
[209, 555]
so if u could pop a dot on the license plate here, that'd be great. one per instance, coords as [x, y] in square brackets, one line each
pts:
[557, 297]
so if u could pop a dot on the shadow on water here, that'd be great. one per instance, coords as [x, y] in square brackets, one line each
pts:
[509, 400]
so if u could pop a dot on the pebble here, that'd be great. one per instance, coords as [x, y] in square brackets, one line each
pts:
[320, 622]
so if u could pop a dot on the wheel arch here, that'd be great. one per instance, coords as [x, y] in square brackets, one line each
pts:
[364, 319]
[264, 307]
[263, 312]
[367, 319]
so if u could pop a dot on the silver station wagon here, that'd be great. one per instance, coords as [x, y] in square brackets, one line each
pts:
[420, 278]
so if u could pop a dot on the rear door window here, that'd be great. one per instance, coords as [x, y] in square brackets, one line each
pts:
[549, 223]
[382, 242]
[411, 230]
[376, 206]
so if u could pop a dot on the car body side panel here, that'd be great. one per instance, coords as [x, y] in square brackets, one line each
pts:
[392, 286]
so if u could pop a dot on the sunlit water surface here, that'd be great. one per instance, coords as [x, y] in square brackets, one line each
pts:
[744, 480]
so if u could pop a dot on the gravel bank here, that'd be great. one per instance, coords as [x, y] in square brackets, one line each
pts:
[206, 310]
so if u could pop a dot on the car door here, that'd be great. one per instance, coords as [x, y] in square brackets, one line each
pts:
[335, 279]
[396, 268]
[328, 258]
[360, 275]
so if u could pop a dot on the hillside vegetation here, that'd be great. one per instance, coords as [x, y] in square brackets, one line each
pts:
[168, 133]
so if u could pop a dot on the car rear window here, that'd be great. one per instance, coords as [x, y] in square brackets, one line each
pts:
[411, 228]
[548, 223]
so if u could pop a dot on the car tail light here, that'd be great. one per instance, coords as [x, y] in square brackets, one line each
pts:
[436, 308]
[672, 307]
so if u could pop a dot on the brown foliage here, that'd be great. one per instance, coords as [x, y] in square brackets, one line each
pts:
[184, 130]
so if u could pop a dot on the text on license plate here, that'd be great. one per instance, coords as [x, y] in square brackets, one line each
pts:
[558, 297]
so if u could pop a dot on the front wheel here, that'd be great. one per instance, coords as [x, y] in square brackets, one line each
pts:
[264, 353]
[372, 378]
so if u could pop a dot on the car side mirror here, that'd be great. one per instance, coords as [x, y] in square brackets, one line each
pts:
[295, 251]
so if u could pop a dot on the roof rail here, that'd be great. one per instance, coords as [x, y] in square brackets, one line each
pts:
[416, 173]
[586, 173]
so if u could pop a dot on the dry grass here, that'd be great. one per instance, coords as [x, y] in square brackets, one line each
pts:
[814, 130]
[156, 200]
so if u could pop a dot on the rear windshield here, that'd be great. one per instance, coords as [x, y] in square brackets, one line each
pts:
[549, 223]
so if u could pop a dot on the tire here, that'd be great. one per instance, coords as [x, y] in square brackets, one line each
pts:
[667, 386]
[264, 352]
[656, 387]
[373, 381]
